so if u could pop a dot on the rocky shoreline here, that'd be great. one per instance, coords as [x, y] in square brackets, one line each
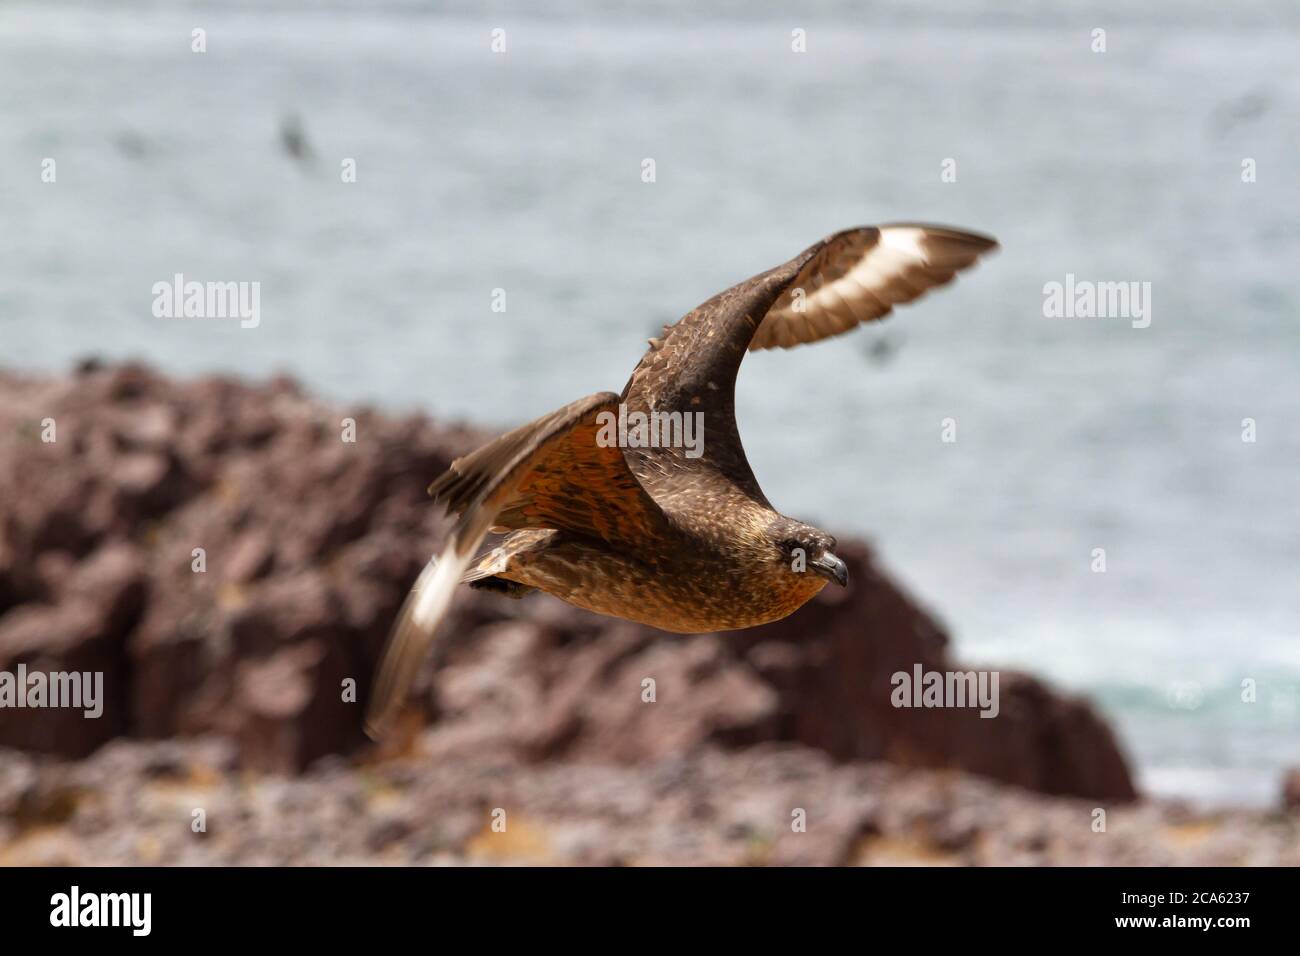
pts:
[138, 803]
[229, 557]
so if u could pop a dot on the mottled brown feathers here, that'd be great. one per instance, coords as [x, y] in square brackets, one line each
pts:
[552, 473]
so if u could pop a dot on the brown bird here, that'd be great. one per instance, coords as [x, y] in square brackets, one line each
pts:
[642, 505]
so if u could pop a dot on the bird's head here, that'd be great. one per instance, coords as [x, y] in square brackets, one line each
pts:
[804, 549]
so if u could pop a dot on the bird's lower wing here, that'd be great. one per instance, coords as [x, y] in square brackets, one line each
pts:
[412, 633]
[860, 274]
[557, 472]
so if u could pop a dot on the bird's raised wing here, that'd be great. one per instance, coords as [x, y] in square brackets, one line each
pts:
[860, 274]
[550, 473]
[850, 277]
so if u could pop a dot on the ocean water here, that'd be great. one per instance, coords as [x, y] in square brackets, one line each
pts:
[522, 171]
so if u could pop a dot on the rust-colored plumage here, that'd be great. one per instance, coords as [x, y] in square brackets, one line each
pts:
[680, 538]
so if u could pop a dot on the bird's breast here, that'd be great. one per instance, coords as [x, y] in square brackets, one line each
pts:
[686, 601]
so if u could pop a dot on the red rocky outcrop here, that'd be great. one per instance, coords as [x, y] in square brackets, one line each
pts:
[308, 544]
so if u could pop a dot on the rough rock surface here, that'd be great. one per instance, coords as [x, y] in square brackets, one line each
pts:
[185, 802]
[231, 564]
[1291, 790]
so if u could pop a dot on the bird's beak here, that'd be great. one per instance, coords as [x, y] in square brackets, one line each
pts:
[832, 568]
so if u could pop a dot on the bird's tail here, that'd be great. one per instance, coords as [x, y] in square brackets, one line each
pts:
[412, 634]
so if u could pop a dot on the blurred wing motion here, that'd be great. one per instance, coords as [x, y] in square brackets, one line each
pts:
[550, 473]
[860, 274]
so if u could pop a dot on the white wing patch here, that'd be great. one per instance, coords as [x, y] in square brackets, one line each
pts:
[414, 632]
[860, 275]
[434, 588]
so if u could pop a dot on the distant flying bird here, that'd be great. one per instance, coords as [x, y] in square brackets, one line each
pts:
[673, 534]
[293, 138]
[1239, 111]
